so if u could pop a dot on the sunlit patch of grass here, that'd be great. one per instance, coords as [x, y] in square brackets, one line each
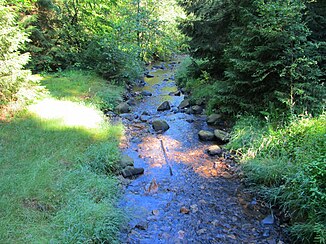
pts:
[70, 114]
[49, 191]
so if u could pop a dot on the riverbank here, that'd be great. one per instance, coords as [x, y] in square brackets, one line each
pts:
[57, 161]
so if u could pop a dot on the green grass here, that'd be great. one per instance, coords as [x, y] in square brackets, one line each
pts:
[50, 190]
[288, 166]
[83, 86]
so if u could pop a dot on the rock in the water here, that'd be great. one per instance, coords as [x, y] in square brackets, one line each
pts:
[144, 118]
[184, 104]
[177, 93]
[142, 225]
[175, 110]
[184, 210]
[269, 220]
[160, 125]
[222, 135]
[197, 109]
[131, 102]
[149, 75]
[214, 150]
[122, 108]
[146, 93]
[213, 119]
[164, 106]
[131, 171]
[128, 116]
[145, 113]
[126, 161]
[206, 135]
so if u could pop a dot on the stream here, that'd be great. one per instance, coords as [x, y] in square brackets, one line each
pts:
[184, 195]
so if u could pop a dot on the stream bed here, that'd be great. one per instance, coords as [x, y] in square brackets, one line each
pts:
[184, 195]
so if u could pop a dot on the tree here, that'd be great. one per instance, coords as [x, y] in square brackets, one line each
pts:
[258, 54]
[12, 74]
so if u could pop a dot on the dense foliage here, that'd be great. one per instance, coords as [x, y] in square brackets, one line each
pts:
[288, 167]
[260, 55]
[13, 76]
[114, 38]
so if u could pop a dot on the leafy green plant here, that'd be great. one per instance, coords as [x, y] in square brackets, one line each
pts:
[288, 165]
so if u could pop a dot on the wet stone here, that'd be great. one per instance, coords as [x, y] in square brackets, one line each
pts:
[143, 225]
[126, 161]
[213, 119]
[206, 135]
[196, 109]
[184, 210]
[222, 135]
[164, 106]
[128, 116]
[144, 118]
[131, 171]
[149, 76]
[122, 108]
[214, 150]
[269, 220]
[184, 104]
[146, 93]
[160, 125]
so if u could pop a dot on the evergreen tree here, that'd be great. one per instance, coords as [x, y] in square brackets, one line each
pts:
[270, 61]
[12, 74]
[208, 25]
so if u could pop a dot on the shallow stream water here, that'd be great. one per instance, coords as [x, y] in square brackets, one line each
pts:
[202, 201]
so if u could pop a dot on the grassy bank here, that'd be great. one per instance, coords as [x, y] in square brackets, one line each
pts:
[287, 166]
[56, 160]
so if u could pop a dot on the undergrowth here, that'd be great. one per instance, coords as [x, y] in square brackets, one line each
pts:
[192, 76]
[53, 188]
[288, 166]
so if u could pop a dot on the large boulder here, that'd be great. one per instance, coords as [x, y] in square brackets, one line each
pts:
[164, 106]
[213, 119]
[122, 108]
[160, 125]
[132, 171]
[184, 104]
[222, 135]
[206, 135]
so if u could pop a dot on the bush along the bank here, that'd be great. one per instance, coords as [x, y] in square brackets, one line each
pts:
[288, 167]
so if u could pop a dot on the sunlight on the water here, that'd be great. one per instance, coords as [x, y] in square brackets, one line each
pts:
[196, 158]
